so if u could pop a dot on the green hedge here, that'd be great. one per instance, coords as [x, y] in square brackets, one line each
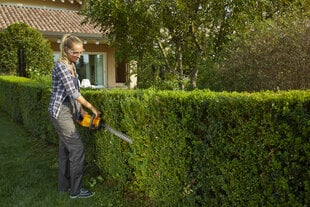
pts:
[197, 148]
[27, 102]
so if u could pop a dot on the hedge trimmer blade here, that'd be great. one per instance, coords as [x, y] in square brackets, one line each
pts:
[118, 134]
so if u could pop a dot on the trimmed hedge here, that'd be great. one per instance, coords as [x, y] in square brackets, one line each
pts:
[38, 55]
[26, 102]
[197, 148]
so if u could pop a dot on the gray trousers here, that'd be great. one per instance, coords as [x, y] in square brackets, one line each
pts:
[71, 150]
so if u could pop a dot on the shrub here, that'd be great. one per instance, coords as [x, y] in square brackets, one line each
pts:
[38, 55]
[198, 148]
[275, 55]
[26, 101]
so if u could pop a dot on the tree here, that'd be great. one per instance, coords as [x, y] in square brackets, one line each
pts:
[38, 54]
[183, 34]
[274, 56]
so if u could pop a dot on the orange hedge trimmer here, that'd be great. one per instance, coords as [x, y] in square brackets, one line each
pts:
[96, 123]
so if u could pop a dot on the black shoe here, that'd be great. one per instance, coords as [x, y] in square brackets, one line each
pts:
[84, 193]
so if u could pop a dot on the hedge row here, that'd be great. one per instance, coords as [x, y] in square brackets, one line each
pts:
[197, 148]
[26, 102]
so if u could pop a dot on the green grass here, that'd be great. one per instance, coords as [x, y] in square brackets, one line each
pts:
[28, 174]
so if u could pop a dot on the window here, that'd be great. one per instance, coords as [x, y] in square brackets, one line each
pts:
[91, 67]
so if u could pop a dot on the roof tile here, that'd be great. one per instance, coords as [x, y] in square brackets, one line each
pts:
[45, 20]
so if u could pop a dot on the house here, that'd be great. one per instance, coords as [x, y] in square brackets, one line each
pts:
[53, 18]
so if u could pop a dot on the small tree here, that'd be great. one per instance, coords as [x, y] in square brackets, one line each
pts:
[275, 55]
[38, 55]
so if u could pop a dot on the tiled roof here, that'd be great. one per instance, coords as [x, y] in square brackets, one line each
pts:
[46, 20]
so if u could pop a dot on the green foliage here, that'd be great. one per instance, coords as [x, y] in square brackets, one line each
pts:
[275, 55]
[179, 37]
[198, 148]
[26, 101]
[249, 142]
[9, 102]
[37, 51]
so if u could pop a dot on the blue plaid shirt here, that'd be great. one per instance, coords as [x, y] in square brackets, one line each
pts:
[63, 86]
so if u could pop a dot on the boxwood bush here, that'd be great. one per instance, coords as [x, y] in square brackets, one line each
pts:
[38, 55]
[198, 148]
[26, 102]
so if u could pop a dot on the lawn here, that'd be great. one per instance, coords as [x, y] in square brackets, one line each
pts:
[28, 175]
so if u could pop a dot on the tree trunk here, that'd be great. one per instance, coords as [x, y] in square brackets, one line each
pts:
[193, 78]
[180, 67]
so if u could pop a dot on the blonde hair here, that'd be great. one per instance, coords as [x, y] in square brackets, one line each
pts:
[66, 43]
